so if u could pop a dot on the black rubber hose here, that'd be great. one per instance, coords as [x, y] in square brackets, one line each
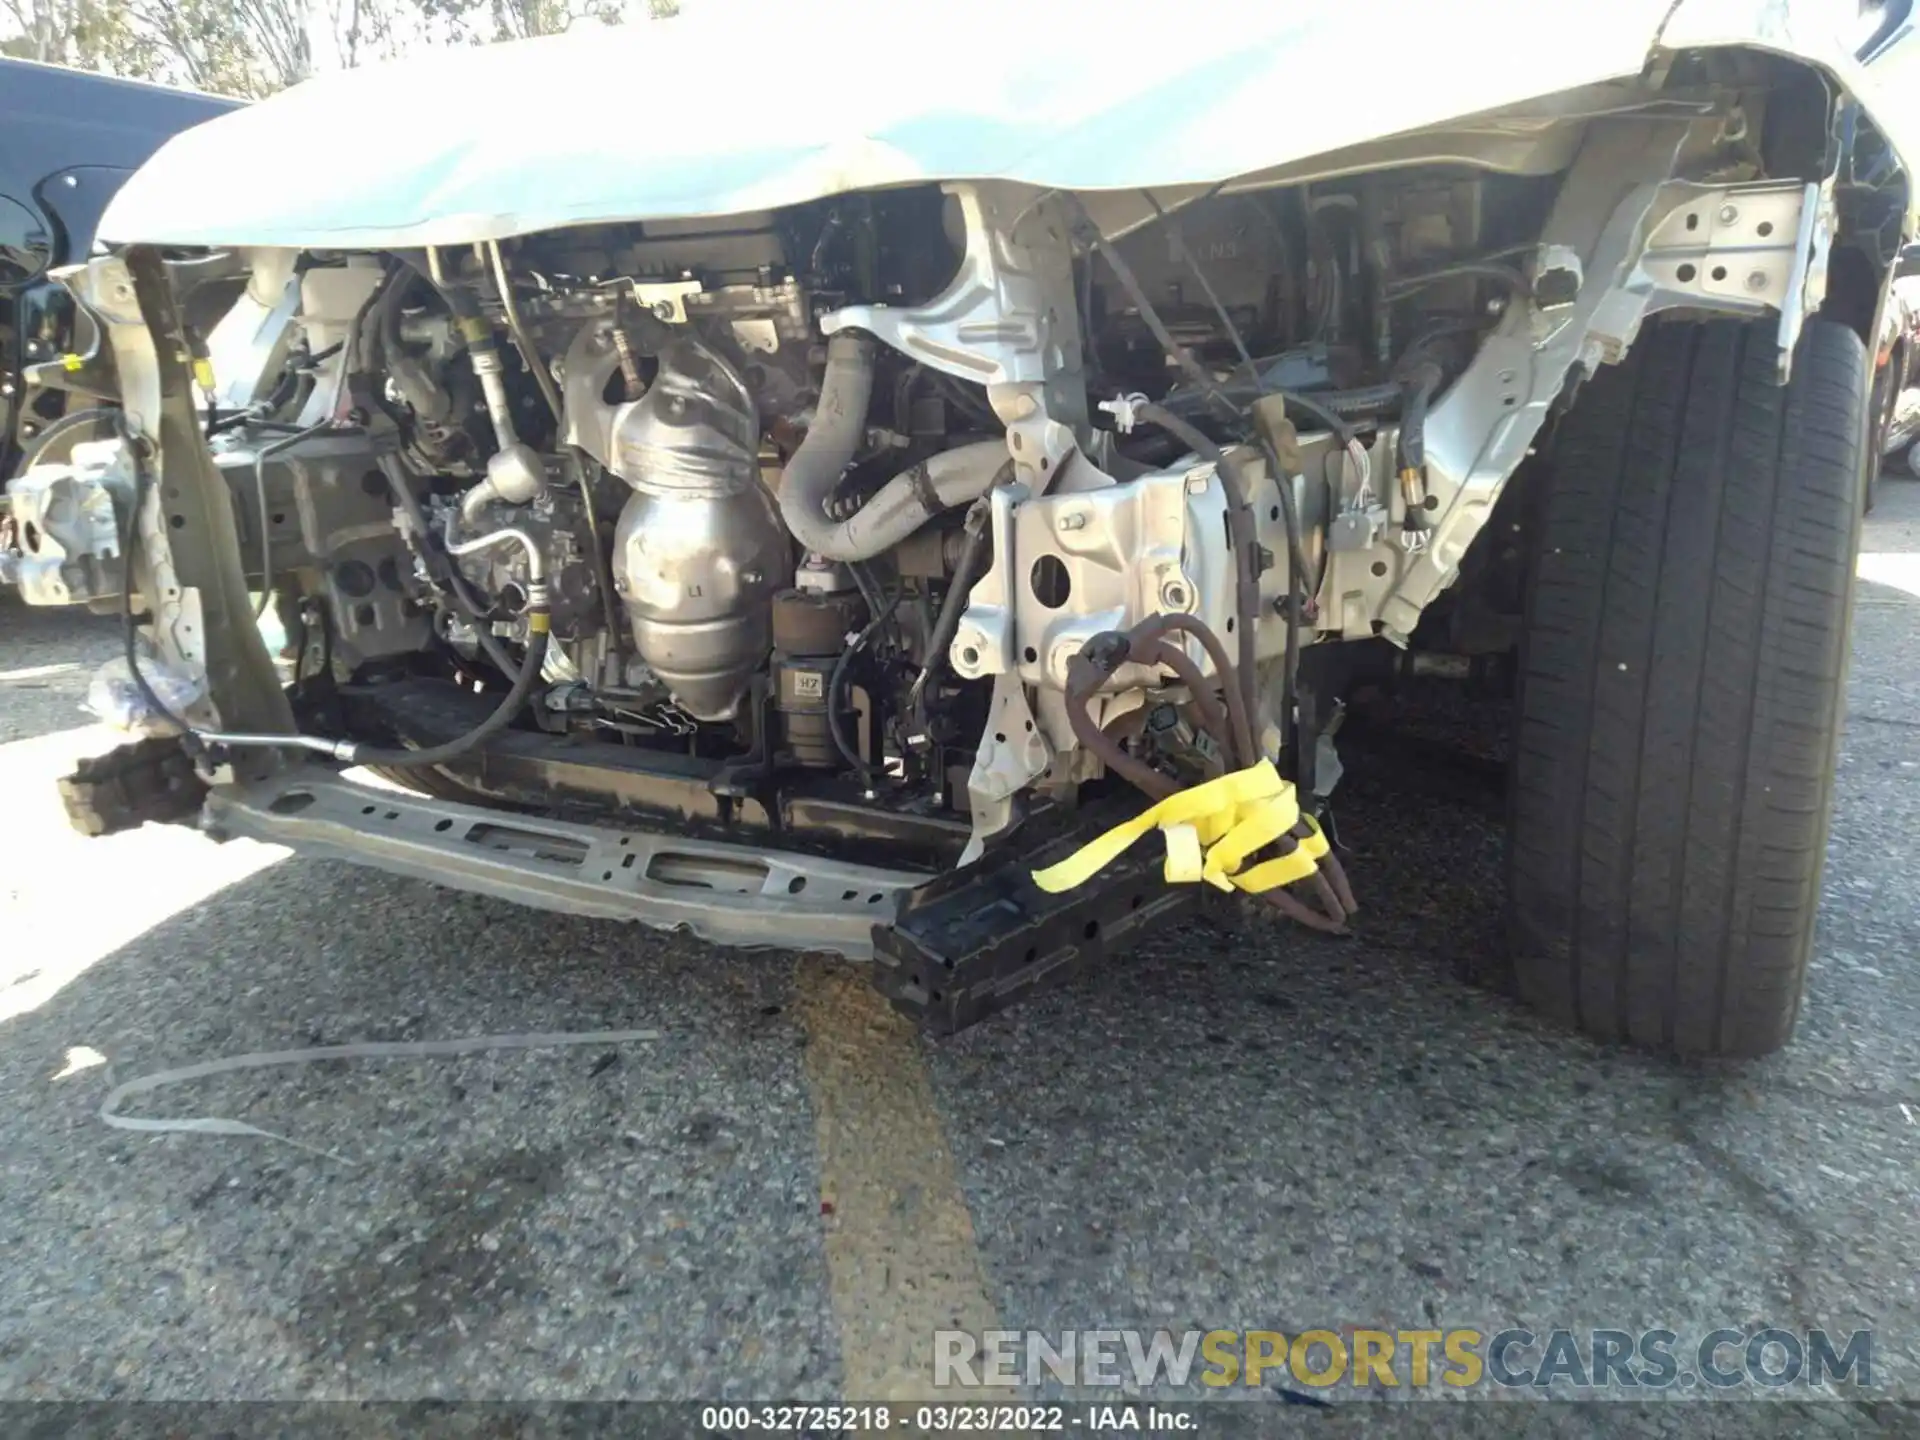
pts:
[503, 714]
[1240, 531]
[1422, 380]
[1300, 591]
[948, 620]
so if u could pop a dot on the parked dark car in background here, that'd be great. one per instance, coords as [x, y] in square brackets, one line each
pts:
[1898, 368]
[68, 139]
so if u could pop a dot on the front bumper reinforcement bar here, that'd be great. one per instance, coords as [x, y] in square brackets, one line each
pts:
[729, 894]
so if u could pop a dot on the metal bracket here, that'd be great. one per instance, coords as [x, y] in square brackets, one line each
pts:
[1807, 282]
[1008, 320]
[666, 299]
[1011, 756]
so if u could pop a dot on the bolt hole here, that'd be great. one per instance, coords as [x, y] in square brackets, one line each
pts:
[796, 884]
[849, 894]
[1229, 624]
[1030, 654]
[1764, 228]
[970, 656]
[445, 825]
[999, 737]
[1379, 567]
[1432, 502]
[1693, 222]
[876, 897]
[1685, 274]
[1052, 586]
[365, 614]
[177, 522]
[291, 803]
[1090, 929]
[1273, 512]
[1719, 272]
[1136, 902]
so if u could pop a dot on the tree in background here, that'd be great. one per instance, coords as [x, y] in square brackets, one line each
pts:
[86, 34]
[253, 47]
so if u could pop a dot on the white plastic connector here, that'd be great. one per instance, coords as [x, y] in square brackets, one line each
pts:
[1124, 408]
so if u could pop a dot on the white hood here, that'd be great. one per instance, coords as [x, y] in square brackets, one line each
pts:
[741, 107]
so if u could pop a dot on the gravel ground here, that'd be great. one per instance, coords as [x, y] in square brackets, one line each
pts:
[1241, 1126]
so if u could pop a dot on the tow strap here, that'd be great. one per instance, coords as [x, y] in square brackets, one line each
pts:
[1211, 830]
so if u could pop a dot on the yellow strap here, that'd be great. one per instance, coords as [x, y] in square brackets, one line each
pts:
[1210, 830]
[1185, 858]
[1287, 868]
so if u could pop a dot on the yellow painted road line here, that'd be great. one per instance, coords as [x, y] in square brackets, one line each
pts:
[901, 1257]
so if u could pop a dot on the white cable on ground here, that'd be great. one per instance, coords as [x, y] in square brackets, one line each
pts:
[366, 1050]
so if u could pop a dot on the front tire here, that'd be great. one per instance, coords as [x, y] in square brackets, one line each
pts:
[1682, 665]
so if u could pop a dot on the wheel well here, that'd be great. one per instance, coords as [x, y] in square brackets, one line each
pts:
[1853, 292]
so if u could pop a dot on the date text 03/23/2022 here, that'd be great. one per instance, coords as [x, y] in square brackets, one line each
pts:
[975, 1419]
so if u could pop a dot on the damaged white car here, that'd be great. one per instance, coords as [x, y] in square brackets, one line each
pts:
[931, 511]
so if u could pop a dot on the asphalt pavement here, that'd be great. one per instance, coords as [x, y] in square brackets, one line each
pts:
[787, 1192]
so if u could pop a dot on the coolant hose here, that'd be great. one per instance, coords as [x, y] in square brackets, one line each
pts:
[905, 503]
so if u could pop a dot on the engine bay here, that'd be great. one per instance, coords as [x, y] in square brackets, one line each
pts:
[810, 514]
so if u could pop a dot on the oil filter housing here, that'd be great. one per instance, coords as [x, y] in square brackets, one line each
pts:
[810, 629]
